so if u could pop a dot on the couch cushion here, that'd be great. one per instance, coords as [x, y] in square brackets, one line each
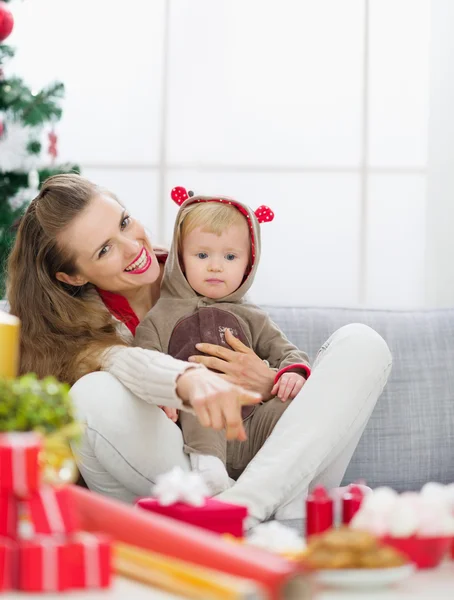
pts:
[410, 437]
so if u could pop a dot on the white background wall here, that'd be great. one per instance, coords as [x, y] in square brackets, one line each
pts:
[440, 190]
[318, 108]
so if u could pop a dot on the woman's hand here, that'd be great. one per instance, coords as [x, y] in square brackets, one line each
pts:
[216, 402]
[240, 366]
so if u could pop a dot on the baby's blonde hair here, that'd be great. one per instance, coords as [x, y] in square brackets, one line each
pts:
[212, 217]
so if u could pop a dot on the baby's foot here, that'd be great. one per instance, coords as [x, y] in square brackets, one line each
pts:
[213, 472]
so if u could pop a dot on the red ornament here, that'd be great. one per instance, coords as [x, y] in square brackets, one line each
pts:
[179, 195]
[264, 214]
[6, 21]
[52, 144]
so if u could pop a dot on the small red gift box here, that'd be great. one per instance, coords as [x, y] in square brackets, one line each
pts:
[214, 515]
[48, 511]
[19, 469]
[44, 565]
[8, 515]
[7, 549]
[90, 558]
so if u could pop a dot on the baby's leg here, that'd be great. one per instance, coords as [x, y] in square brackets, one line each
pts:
[207, 449]
[259, 427]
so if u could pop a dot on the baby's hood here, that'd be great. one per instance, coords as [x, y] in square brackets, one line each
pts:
[175, 283]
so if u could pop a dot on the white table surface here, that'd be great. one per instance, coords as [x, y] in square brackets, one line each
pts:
[430, 584]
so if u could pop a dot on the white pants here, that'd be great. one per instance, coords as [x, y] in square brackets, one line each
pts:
[128, 442]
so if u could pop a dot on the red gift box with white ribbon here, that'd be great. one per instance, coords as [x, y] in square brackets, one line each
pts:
[213, 515]
[44, 565]
[19, 469]
[90, 557]
[184, 496]
[7, 549]
[49, 511]
[8, 515]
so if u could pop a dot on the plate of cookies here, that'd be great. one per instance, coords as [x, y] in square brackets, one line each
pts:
[355, 559]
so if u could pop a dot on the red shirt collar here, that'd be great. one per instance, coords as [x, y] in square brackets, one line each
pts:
[119, 307]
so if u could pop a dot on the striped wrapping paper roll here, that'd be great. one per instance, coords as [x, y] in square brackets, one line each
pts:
[279, 578]
[9, 345]
[182, 578]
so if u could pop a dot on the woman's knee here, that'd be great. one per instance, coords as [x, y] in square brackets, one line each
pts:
[96, 393]
[365, 340]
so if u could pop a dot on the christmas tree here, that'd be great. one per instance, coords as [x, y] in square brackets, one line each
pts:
[28, 143]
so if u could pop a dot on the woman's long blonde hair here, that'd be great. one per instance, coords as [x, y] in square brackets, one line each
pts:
[64, 328]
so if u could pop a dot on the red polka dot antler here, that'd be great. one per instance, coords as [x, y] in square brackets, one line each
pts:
[264, 214]
[179, 195]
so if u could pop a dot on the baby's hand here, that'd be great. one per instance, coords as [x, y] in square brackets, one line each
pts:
[288, 386]
[172, 413]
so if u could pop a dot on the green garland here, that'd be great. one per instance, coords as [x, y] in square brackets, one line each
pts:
[30, 404]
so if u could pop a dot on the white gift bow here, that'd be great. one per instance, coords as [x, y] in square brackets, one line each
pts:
[180, 486]
[276, 537]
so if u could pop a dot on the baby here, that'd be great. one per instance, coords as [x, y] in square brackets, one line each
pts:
[211, 265]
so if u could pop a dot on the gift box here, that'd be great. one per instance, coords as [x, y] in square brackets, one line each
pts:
[48, 511]
[8, 515]
[44, 565]
[90, 558]
[19, 469]
[7, 549]
[213, 514]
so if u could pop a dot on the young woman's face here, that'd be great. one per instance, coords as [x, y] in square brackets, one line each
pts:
[111, 249]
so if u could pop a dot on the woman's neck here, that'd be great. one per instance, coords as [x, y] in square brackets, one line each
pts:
[142, 299]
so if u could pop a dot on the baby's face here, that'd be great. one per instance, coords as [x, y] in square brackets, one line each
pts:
[215, 265]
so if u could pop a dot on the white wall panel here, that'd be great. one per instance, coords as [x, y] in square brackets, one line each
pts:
[399, 37]
[270, 83]
[396, 241]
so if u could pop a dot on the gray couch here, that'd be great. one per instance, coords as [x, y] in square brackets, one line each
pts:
[410, 437]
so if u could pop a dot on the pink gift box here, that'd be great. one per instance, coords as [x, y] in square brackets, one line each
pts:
[19, 469]
[48, 511]
[7, 558]
[213, 515]
[90, 557]
[44, 565]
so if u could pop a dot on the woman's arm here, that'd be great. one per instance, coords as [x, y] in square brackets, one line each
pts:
[160, 379]
[148, 374]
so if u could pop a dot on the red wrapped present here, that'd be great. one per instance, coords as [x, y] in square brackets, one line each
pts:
[213, 514]
[7, 549]
[8, 515]
[19, 469]
[90, 560]
[48, 511]
[44, 565]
